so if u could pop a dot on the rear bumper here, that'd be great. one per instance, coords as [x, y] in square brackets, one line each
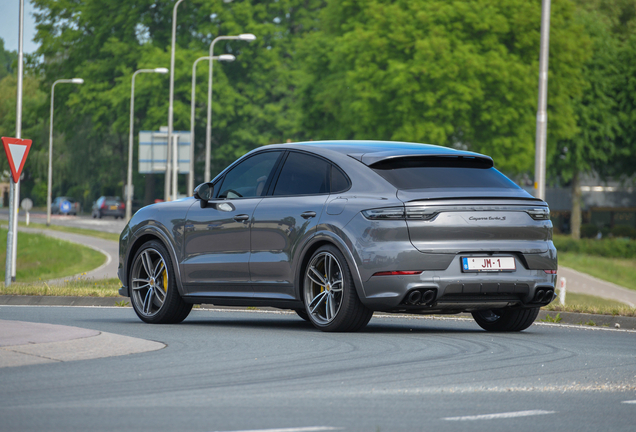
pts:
[457, 291]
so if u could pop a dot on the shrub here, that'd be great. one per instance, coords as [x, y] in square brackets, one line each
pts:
[589, 231]
[623, 231]
[606, 247]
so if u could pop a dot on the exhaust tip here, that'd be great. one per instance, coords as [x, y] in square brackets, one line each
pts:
[549, 296]
[428, 296]
[414, 297]
[538, 297]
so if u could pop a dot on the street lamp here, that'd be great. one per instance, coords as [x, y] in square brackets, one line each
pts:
[208, 129]
[48, 192]
[223, 57]
[129, 191]
[166, 194]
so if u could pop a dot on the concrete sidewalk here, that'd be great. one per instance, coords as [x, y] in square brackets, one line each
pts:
[582, 283]
[25, 343]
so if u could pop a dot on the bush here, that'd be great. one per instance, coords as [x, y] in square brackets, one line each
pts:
[589, 231]
[623, 231]
[606, 247]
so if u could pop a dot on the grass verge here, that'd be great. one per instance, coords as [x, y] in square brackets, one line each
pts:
[83, 231]
[75, 287]
[581, 303]
[620, 271]
[42, 258]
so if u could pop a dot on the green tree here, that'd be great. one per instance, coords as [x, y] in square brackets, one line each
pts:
[593, 149]
[254, 102]
[460, 73]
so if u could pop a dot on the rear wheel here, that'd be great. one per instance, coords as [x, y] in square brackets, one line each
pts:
[506, 320]
[331, 301]
[154, 293]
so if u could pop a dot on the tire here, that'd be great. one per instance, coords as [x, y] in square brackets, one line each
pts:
[153, 301]
[303, 314]
[331, 301]
[506, 320]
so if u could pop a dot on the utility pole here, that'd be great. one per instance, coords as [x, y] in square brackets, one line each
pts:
[542, 111]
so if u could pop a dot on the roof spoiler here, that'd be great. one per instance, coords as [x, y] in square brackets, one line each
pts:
[405, 158]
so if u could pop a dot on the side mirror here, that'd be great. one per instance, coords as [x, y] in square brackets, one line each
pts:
[204, 192]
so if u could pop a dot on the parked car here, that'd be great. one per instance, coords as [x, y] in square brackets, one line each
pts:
[65, 205]
[338, 230]
[108, 206]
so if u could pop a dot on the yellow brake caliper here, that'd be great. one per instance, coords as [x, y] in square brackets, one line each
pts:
[165, 280]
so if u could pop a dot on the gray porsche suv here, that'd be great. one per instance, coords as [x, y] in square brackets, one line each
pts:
[336, 230]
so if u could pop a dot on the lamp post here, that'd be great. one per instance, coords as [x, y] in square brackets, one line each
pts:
[166, 194]
[129, 191]
[208, 129]
[542, 109]
[48, 192]
[223, 57]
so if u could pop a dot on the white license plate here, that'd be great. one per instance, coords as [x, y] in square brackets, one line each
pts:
[488, 264]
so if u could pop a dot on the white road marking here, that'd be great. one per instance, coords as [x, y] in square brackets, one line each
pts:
[630, 402]
[300, 429]
[500, 416]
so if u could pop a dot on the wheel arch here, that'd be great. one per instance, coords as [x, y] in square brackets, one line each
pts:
[148, 234]
[312, 246]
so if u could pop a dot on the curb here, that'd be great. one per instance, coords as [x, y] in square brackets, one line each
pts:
[570, 318]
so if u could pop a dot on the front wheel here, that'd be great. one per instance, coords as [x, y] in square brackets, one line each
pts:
[331, 301]
[506, 320]
[154, 293]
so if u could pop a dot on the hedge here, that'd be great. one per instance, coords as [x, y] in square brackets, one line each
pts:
[606, 247]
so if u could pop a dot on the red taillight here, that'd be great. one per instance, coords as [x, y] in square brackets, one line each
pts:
[122, 205]
[550, 271]
[396, 273]
[103, 206]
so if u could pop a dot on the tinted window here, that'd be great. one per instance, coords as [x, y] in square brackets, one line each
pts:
[431, 173]
[339, 181]
[303, 175]
[249, 177]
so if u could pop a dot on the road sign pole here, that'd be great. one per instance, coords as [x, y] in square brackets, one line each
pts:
[14, 191]
[8, 263]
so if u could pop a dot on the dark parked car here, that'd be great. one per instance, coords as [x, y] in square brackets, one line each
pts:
[109, 206]
[65, 205]
[337, 230]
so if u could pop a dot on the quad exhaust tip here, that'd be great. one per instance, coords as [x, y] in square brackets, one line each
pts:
[542, 296]
[420, 297]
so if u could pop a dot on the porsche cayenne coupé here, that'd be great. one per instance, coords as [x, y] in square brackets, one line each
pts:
[336, 230]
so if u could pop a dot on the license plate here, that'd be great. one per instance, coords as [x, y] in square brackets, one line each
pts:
[488, 264]
[113, 207]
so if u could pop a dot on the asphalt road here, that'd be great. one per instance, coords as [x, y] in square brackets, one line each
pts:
[106, 224]
[238, 371]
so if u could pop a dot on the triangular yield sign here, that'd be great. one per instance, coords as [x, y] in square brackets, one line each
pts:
[17, 150]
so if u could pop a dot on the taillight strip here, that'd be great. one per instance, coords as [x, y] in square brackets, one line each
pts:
[396, 273]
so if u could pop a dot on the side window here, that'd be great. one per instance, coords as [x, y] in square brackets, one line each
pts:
[303, 175]
[339, 182]
[249, 177]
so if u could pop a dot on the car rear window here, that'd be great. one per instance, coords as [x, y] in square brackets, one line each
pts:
[442, 172]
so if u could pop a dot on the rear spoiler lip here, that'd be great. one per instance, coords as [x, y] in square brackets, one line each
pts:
[427, 195]
[370, 159]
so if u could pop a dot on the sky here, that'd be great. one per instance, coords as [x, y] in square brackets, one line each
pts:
[9, 16]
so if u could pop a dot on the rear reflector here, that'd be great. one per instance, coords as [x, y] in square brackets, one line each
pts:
[396, 273]
[550, 271]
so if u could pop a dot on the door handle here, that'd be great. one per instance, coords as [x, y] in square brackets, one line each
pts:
[308, 214]
[241, 217]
